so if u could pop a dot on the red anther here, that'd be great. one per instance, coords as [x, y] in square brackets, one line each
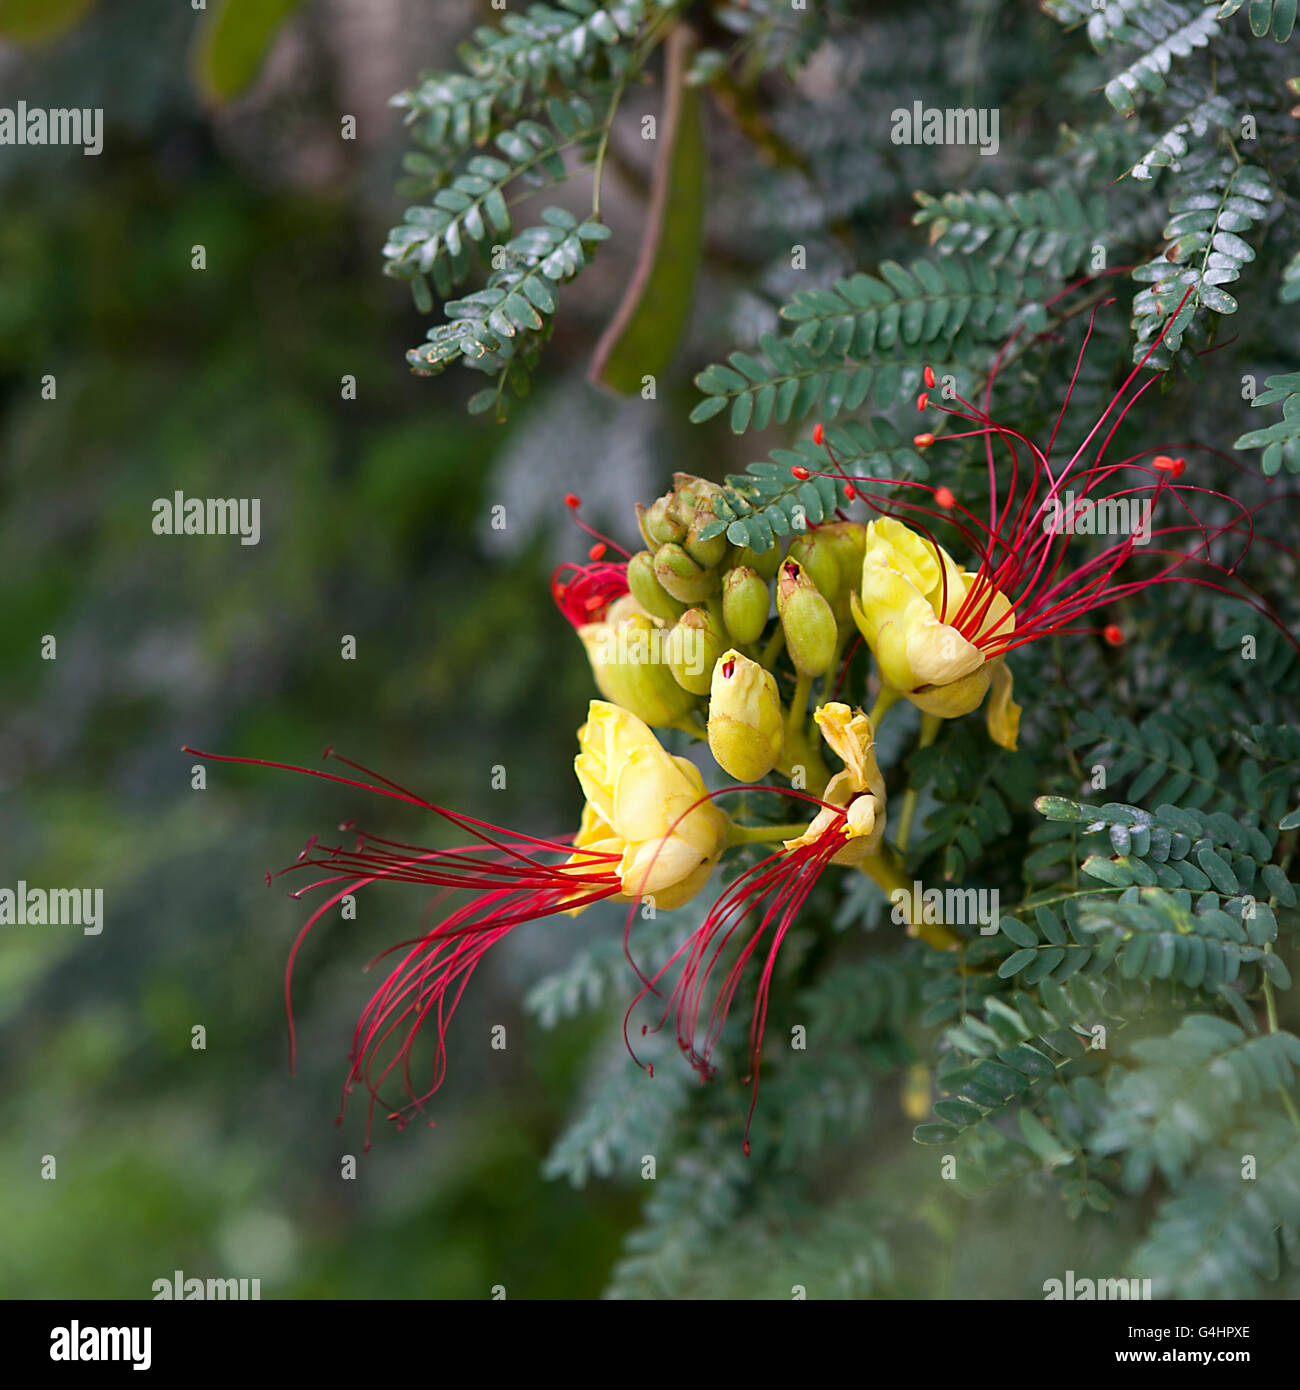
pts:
[923, 400]
[650, 1067]
[929, 376]
[597, 552]
[850, 492]
[1114, 634]
[800, 471]
[943, 496]
[1174, 467]
[728, 668]
[746, 1148]
[819, 434]
[572, 501]
[922, 441]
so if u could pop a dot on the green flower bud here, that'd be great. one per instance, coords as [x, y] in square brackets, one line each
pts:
[746, 603]
[658, 523]
[745, 727]
[848, 539]
[648, 591]
[627, 662]
[810, 630]
[689, 491]
[706, 552]
[818, 562]
[764, 562]
[682, 577]
[693, 646]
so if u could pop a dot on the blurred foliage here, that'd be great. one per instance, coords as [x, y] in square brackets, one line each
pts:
[228, 382]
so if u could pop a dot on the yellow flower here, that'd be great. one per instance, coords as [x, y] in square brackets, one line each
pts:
[911, 591]
[642, 806]
[859, 789]
[629, 661]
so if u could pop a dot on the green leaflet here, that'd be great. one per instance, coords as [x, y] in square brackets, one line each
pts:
[233, 42]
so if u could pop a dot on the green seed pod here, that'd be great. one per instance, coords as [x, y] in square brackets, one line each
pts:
[745, 726]
[746, 603]
[648, 591]
[682, 577]
[806, 617]
[694, 645]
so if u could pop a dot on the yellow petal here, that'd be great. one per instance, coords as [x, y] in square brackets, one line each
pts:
[938, 654]
[955, 699]
[1003, 712]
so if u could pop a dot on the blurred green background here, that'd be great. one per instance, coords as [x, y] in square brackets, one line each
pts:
[227, 382]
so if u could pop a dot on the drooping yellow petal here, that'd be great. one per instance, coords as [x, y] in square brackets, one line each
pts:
[1003, 713]
[858, 788]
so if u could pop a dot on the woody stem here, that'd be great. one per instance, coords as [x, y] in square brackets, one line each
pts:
[886, 869]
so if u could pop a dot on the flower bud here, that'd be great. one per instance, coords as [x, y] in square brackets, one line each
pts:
[764, 562]
[626, 663]
[658, 523]
[806, 617]
[745, 730]
[689, 491]
[706, 552]
[746, 603]
[648, 591]
[818, 561]
[847, 540]
[683, 577]
[693, 647]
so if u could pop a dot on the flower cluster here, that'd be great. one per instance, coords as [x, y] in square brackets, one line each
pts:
[739, 659]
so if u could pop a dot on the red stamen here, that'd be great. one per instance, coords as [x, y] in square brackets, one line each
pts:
[583, 593]
[819, 435]
[781, 882]
[1114, 634]
[800, 471]
[510, 885]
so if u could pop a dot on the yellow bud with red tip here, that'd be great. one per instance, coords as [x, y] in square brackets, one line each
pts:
[745, 726]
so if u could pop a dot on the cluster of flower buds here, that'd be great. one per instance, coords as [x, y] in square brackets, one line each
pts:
[700, 633]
